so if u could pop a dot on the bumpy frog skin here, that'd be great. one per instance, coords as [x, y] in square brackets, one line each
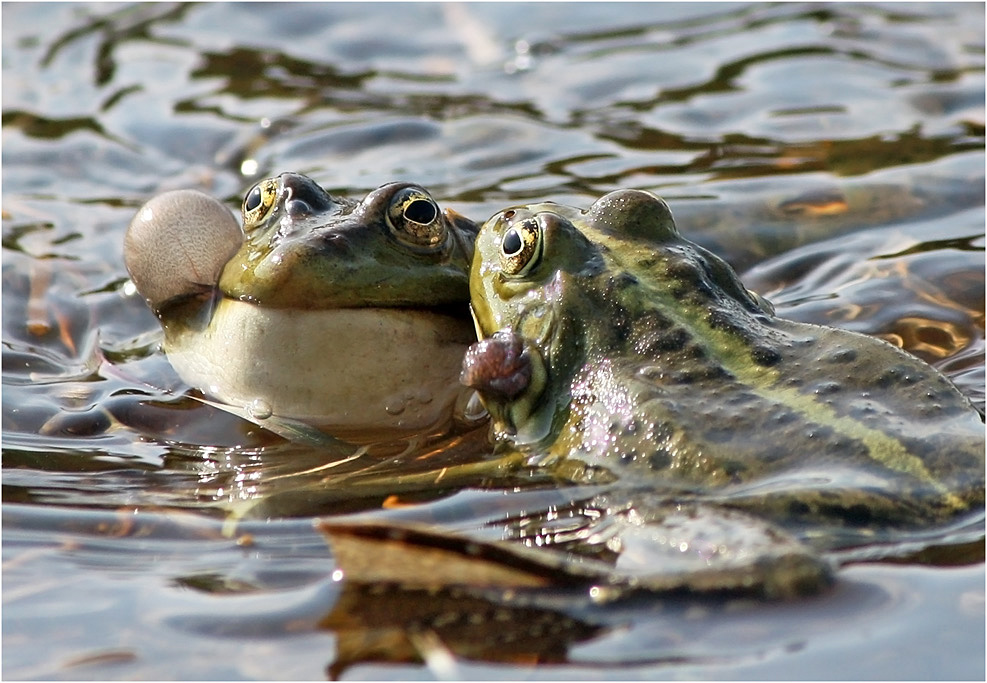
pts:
[349, 316]
[610, 341]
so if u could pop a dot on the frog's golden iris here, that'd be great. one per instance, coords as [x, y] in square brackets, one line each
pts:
[520, 249]
[414, 219]
[258, 202]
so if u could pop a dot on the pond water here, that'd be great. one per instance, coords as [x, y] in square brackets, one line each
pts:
[833, 153]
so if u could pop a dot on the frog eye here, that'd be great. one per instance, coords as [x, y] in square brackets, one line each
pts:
[414, 218]
[520, 248]
[258, 202]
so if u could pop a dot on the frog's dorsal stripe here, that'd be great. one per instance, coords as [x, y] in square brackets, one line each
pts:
[733, 353]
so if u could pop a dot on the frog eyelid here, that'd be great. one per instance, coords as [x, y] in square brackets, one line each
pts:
[294, 205]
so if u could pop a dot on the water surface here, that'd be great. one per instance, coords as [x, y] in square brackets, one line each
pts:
[833, 153]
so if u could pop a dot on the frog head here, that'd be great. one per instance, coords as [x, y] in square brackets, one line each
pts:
[554, 287]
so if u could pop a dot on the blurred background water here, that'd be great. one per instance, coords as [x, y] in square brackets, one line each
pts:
[834, 153]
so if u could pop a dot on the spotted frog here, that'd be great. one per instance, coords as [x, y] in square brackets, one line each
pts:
[349, 316]
[615, 350]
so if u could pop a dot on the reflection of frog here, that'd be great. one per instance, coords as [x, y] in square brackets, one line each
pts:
[347, 315]
[609, 340]
[402, 597]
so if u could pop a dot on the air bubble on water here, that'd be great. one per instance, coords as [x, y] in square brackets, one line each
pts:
[259, 409]
[522, 60]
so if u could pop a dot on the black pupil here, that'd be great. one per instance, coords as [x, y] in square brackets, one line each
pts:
[512, 242]
[253, 199]
[420, 211]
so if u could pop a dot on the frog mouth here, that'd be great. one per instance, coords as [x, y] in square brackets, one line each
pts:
[457, 310]
[453, 311]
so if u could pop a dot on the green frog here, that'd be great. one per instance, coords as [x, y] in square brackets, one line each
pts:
[616, 351]
[349, 316]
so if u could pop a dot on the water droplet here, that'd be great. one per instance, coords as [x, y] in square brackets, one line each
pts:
[602, 594]
[395, 405]
[259, 409]
[653, 373]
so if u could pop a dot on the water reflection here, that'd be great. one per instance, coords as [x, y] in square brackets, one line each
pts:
[156, 569]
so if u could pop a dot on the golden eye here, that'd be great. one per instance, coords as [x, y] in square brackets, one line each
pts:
[258, 202]
[520, 248]
[414, 218]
